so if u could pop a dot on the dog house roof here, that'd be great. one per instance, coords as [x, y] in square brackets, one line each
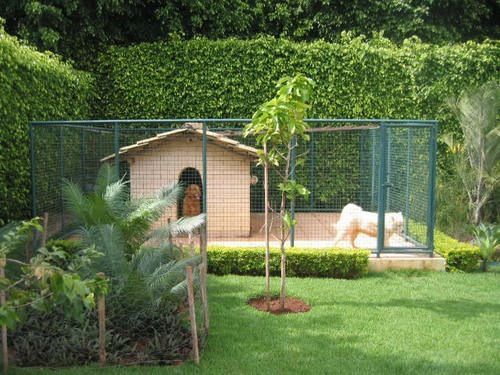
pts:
[194, 129]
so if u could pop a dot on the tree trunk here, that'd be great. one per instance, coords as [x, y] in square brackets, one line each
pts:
[476, 214]
[283, 235]
[266, 226]
[484, 265]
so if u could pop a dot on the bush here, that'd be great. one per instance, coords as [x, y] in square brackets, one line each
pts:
[68, 246]
[230, 78]
[347, 264]
[33, 86]
[459, 256]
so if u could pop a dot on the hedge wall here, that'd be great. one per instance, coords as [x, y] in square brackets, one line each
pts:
[335, 263]
[33, 86]
[230, 78]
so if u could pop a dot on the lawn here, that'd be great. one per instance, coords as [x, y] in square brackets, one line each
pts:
[399, 323]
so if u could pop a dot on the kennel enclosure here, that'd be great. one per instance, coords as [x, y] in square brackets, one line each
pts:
[383, 166]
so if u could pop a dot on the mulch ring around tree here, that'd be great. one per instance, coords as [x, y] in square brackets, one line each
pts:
[292, 305]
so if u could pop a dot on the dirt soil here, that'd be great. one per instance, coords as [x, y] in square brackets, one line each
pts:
[292, 305]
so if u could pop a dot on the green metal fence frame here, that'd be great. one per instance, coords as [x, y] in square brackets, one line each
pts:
[384, 184]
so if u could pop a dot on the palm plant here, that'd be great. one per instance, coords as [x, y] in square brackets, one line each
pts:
[488, 239]
[109, 203]
[143, 264]
[477, 157]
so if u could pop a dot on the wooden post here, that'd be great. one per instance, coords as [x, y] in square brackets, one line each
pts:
[203, 292]
[5, 349]
[101, 310]
[45, 225]
[30, 244]
[191, 244]
[203, 277]
[192, 315]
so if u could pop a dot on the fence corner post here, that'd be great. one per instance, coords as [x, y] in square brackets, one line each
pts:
[382, 189]
[116, 128]
[431, 213]
[33, 169]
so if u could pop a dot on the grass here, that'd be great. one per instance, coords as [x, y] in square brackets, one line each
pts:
[389, 323]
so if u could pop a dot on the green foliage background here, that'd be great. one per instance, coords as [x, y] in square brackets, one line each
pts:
[33, 86]
[355, 78]
[76, 28]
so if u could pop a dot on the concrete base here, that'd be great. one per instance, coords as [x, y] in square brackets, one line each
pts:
[406, 262]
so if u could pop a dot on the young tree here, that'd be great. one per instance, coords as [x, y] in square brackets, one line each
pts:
[477, 157]
[277, 126]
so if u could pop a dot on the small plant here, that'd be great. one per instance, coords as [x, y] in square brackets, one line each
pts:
[278, 125]
[42, 283]
[488, 239]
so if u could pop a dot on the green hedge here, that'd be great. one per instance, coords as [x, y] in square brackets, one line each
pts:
[300, 262]
[33, 86]
[459, 256]
[230, 78]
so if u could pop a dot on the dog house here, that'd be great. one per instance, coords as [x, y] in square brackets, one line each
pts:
[176, 157]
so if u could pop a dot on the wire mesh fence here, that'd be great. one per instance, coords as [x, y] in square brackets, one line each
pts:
[385, 168]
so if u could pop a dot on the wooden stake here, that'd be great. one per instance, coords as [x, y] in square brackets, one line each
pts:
[45, 225]
[191, 244]
[5, 348]
[101, 310]
[204, 304]
[203, 277]
[30, 244]
[192, 315]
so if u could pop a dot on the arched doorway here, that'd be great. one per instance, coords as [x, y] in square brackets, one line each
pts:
[189, 176]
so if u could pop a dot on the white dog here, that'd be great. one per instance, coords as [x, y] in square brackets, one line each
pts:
[353, 221]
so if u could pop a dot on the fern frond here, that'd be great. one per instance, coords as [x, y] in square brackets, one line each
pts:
[187, 224]
[75, 201]
[105, 176]
[148, 259]
[184, 225]
[167, 276]
[108, 240]
[171, 194]
[116, 197]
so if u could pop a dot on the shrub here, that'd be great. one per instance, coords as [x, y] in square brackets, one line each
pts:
[348, 264]
[459, 256]
[33, 86]
[68, 246]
